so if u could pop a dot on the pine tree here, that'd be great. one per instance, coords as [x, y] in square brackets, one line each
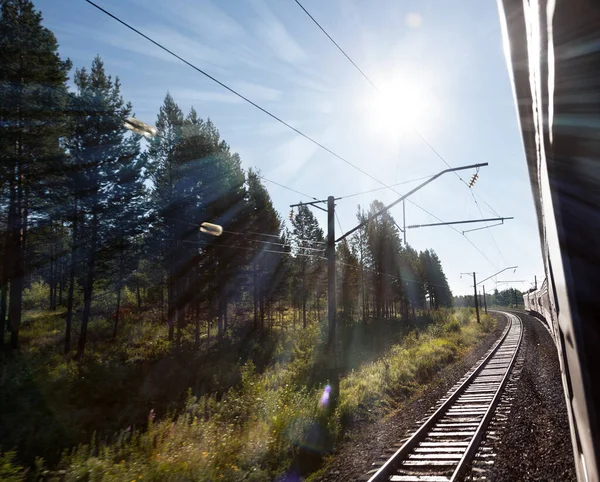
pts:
[308, 241]
[32, 113]
[164, 172]
[125, 214]
[263, 218]
[349, 279]
[97, 147]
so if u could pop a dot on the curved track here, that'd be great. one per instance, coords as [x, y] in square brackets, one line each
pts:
[442, 448]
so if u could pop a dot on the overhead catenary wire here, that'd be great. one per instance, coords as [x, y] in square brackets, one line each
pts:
[416, 131]
[385, 187]
[233, 91]
[286, 187]
[399, 278]
[247, 232]
[278, 119]
[254, 250]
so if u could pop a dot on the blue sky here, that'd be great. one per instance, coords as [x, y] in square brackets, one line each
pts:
[445, 57]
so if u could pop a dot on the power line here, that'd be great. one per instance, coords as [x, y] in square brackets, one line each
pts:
[225, 86]
[491, 233]
[390, 275]
[417, 132]
[250, 102]
[190, 241]
[386, 187]
[336, 44]
[338, 221]
[288, 188]
[248, 232]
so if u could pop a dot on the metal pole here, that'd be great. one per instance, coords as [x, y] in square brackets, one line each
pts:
[535, 279]
[484, 300]
[404, 220]
[476, 301]
[331, 306]
[331, 301]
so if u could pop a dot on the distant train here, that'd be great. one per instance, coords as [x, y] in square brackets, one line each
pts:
[538, 302]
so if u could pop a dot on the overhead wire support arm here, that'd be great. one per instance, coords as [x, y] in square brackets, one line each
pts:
[496, 274]
[313, 203]
[413, 226]
[485, 227]
[402, 198]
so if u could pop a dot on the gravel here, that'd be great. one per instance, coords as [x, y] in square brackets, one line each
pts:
[536, 443]
[366, 443]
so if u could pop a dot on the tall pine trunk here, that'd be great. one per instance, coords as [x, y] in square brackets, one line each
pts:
[139, 297]
[71, 289]
[4, 279]
[181, 305]
[171, 302]
[88, 287]
[262, 304]
[52, 298]
[304, 313]
[119, 289]
[17, 274]
[197, 322]
[255, 294]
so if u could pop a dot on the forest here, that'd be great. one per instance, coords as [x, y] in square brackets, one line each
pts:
[126, 329]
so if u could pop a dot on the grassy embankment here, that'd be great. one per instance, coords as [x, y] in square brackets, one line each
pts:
[253, 411]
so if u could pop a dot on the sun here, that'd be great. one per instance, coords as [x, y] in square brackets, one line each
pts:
[398, 108]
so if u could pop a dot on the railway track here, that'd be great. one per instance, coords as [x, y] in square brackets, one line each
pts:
[442, 448]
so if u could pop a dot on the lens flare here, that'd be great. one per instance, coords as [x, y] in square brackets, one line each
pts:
[325, 396]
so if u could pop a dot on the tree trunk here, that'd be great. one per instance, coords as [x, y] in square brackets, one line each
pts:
[171, 303]
[262, 304]
[162, 301]
[139, 297]
[17, 274]
[255, 294]
[61, 277]
[119, 286]
[304, 313]
[71, 284]
[52, 297]
[197, 314]
[88, 288]
[180, 308]
[4, 279]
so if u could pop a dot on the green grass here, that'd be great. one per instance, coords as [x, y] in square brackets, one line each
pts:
[272, 422]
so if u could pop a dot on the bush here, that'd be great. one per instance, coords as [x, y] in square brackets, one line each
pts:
[453, 326]
[488, 323]
[9, 471]
[37, 295]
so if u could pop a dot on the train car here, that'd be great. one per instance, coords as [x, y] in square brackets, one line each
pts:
[554, 65]
[537, 302]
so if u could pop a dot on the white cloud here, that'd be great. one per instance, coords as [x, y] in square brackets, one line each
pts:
[257, 92]
[274, 33]
[291, 157]
[205, 96]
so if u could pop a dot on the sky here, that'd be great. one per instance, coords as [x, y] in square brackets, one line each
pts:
[439, 66]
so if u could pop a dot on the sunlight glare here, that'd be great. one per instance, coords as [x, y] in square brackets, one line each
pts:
[399, 108]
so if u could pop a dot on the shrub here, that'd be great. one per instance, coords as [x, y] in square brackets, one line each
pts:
[37, 295]
[453, 326]
[9, 470]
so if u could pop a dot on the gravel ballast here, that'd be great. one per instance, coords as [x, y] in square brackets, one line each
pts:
[535, 444]
[368, 443]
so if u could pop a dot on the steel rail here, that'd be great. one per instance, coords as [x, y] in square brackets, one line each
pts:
[391, 466]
